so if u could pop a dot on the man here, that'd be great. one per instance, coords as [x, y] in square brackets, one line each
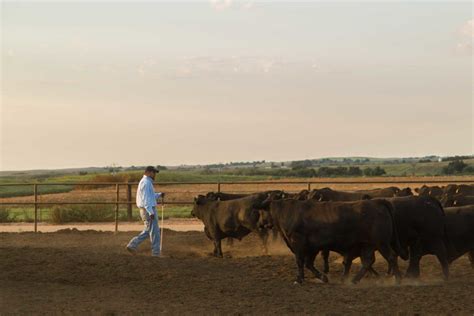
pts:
[146, 202]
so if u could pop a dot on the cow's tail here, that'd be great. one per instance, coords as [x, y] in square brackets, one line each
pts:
[402, 252]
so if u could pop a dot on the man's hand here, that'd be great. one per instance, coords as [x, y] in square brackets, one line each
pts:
[152, 217]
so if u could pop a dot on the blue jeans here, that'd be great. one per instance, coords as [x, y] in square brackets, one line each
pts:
[151, 230]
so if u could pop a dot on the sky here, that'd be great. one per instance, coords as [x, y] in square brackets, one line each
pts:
[170, 83]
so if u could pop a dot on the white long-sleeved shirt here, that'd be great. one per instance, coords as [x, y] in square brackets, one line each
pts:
[146, 195]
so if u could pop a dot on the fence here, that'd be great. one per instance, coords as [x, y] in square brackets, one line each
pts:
[218, 186]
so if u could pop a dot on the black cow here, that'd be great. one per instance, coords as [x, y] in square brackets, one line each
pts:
[434, 191]
[327, 194]
[233, 218]
[302, 195]
[460, 232]
[224, 196]
[221, 196]
[465, 189]
[457, 200]
[450, 189]
[420, 222]
[386, 192]
[349, 228]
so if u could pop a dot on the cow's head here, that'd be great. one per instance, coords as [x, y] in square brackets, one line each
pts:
[404, 192]
[303, 195]
[212, 196]
[422, 190]
[199, 201]
[271, 196]
[320, 194]
[264, 218]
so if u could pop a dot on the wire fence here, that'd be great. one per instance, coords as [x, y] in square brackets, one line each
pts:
[210, 186]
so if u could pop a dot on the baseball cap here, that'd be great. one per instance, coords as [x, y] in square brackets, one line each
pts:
[151, 168]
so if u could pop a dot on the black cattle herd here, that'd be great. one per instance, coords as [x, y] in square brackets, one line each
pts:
[392, 221]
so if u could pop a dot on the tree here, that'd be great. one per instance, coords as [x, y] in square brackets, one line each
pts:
[375, 172]
[301, 164]
[455, 166]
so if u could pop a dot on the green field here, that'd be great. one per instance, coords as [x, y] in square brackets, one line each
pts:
[164, 176]
[393, 167]
[82, 213]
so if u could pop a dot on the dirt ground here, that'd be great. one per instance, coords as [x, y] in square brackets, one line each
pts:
[76, 272]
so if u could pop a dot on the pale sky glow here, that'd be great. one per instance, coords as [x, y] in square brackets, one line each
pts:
[96, 83]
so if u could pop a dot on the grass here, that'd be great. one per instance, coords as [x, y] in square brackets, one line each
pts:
[82, 213]
[16, 214]
[23, 190]
[121, 177]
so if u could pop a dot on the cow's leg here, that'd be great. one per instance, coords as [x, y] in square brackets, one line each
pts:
[263, 234]
[309, 263]
[229, 241]
[367, 257]
[415, 251]
[208, 234]
[374, 272]
[212, 236]
[391, 257]
[326, 260]
[275, 234]
[471, 258]
[300, 264]
[218, 248]
[347, 263]
[390, 267]
[217, 237]
[440, 251]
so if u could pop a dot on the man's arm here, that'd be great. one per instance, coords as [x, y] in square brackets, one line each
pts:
[148, 198]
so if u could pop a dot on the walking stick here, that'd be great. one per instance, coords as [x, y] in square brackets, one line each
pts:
[162, 222]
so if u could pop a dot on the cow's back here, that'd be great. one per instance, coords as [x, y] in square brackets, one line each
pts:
[335, 225]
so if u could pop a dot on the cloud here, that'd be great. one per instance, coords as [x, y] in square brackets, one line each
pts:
[220, 5]
[468, 29]
[247, 5]
[146, 66]
[466, 34]
[242, 65]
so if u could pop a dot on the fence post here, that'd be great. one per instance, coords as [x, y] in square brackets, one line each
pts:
[218, 187]
[309, 186]
[129, 199]
[35, 192]
[116, 207]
